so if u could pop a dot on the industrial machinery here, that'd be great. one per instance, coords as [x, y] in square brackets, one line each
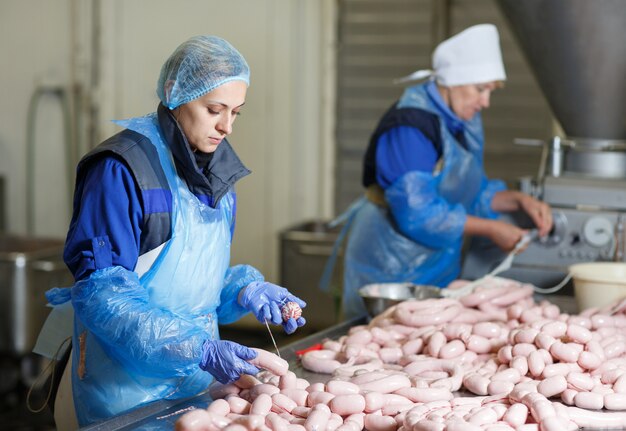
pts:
[576, 50]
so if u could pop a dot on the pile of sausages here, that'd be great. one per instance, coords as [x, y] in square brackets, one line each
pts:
[492, 360]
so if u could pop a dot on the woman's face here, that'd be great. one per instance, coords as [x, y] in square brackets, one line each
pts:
[468, 100]
[205, 121]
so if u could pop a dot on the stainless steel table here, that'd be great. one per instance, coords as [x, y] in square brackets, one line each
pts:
[161, 415]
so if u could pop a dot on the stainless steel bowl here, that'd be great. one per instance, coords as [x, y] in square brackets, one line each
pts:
[380, 296]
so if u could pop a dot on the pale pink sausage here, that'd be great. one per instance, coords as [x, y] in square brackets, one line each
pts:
[620, 384]
[334, 422]
[526, 335]
[387, 384]
[269, 361]
[219, 390]
[282, 403]
[589, 400]
[476, 384]
[263, 388]
[319, 398]
[316, 387]
[496, 387]
[482, 416]
[589, 360]
[615, 349]
[360, 337]
[318, 418]
[251, 422]
[390, 355]
[487, 329]
[505, 354]
[425, 395]
[578, 333]
[380, 423]
[195, 420]
[413, 347]
[238, 405]
[520, 363]
[580, 381]
[509, 374]
[340, 387]
[587, 419]
[523, 349]
[555, 328]
[610, 376]
[563, 352]
[544, 341]
[261, 405]
[276, 423]
[516, 415]
[347, 404]
[246, 381]
[319, 361]
[552, 386]
[301, 411]
[435, 316]
[288, 381]
[219, 407]
[373, 401]
[568, 396]
[435, 343]
[298, 395]
[452, 349]
[615, 401]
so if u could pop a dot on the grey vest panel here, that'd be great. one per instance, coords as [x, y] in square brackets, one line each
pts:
[142, 159]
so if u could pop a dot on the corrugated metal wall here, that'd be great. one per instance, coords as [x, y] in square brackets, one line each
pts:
[380, 40]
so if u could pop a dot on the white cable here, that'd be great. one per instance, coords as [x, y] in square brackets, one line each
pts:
[553, 289]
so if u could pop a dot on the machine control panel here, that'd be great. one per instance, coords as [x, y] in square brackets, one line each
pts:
[577, 236]
[598, 231]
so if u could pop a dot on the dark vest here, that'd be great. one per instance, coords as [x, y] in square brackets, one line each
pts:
[142, 159]
[425, 121]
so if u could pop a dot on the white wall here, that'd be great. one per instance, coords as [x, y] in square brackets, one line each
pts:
[283, 136]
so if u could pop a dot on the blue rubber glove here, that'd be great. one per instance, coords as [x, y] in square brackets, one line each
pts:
[265, 299]
[226, 360]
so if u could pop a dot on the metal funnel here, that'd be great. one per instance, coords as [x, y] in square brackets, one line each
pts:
[577, 50]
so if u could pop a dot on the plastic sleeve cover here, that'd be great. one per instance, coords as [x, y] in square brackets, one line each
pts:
[422, 214]
[482, 204]
[146, 340]
[237, 277]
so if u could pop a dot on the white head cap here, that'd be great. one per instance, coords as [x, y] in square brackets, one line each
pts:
[470, 57]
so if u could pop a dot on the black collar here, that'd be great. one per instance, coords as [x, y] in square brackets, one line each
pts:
[225, 168]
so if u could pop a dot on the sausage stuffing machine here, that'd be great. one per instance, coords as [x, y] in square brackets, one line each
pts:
[576, 50]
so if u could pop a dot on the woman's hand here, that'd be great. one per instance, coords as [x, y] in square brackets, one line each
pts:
[505, 235]
[538, 211]
[227, 360]
[265, 300]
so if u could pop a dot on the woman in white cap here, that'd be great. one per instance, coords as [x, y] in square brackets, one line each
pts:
[423, 171]
[149, 247]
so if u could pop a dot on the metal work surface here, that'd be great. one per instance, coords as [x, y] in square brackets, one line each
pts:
[162, 415]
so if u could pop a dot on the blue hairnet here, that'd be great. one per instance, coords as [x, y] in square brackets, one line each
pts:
[198, 66]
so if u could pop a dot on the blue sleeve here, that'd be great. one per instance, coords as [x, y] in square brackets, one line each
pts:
[147, 340]
[400, 150]
[237, 277]
[106, 222]
[421, 214]
[481, 207]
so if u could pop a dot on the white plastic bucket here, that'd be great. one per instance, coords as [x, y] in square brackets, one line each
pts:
[599, 283]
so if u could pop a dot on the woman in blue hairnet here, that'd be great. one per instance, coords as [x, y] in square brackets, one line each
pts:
[423, 171]
[149, 246]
